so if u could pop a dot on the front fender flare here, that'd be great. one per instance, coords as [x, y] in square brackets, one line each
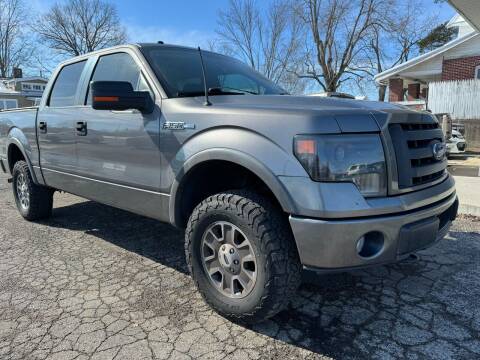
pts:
[239, 158]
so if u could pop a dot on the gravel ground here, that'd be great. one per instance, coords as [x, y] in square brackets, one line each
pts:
[98, 283]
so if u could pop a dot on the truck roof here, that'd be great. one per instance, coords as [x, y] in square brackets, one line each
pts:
[131, 46]
[162, 44]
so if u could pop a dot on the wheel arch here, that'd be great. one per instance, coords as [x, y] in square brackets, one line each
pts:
[16, 151]
[235, 158]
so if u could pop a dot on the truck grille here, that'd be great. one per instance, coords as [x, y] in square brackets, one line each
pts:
[413, 143]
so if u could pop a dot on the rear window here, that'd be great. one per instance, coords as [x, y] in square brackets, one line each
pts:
[65, 87]
[8, 104]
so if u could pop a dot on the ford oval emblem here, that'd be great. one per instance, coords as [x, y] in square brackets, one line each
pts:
[439, 150]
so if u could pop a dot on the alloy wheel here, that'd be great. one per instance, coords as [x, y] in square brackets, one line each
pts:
[23, 192]
[229, 259]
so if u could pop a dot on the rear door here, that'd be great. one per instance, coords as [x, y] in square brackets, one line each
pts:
[55, 127]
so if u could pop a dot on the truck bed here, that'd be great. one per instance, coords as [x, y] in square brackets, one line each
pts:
[19, 124]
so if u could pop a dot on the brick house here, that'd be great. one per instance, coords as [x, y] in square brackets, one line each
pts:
[408, 83]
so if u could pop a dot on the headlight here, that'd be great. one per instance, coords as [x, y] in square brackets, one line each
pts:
[345, 158]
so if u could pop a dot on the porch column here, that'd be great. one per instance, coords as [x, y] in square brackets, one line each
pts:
[395, 90]
[413, 92]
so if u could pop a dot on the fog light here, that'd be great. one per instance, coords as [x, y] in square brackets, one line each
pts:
[370, 245]
[360, 244]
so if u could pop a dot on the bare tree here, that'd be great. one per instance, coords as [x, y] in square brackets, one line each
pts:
[80, 26]
[268, 40]
[395, 38]
[15, 47]
[334, 45]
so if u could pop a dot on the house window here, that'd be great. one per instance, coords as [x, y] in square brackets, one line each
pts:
[33, 87]
[477, 72]
[8, 104]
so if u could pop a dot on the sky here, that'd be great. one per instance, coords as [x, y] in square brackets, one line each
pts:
[185, 22]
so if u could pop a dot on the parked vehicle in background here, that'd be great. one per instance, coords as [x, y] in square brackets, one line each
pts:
[264, 183]
[456, 144]
[454, 133]
[459, 127]
[334, 94]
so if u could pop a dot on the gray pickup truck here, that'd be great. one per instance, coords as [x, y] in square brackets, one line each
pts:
[265, 184]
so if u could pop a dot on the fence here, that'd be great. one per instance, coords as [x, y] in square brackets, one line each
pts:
[472, 133]
[460, 99]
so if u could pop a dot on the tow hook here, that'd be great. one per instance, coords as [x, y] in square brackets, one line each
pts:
[412, 258]
[10, 180]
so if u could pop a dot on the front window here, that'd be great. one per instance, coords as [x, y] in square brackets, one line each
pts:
[118, 67]
[179, 70]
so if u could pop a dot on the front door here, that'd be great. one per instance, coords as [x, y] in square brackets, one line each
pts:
[118, 151]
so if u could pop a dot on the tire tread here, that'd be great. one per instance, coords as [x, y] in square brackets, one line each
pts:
[282, 265]
[41, 197]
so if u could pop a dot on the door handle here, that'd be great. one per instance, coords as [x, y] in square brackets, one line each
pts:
[42, 126]
[81, 128]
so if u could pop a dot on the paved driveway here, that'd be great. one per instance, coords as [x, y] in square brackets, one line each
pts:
[99, 283]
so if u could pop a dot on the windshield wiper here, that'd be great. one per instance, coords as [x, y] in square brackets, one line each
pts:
[216, 91]
[190, 93]
[233, 92]
[221, 91]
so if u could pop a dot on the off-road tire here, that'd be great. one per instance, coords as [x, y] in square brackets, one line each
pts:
[40, 197]
[268, 230]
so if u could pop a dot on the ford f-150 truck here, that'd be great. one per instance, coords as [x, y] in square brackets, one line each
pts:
[265, 184]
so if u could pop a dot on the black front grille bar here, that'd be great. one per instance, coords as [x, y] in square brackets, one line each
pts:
[413, 144]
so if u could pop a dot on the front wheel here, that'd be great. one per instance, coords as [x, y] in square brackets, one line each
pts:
[242, 256]
[34, 202]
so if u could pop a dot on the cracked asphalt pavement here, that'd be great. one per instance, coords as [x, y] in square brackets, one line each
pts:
[94, 282]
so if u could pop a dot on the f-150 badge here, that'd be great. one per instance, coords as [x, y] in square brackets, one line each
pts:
[177, 125]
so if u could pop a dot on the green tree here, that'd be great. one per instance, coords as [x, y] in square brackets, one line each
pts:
[439, 36]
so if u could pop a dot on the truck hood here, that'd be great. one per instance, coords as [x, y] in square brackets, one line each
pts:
[323, 113]
[302, 103]
[281, 117]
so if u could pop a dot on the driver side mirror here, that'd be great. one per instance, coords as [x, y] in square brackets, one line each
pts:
[119, 95]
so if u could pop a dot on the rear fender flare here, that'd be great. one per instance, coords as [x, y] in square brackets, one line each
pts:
[17, 138]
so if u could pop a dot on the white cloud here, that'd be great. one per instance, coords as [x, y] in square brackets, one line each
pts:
[194, 38]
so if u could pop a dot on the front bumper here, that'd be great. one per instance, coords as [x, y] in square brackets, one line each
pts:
[333, 244]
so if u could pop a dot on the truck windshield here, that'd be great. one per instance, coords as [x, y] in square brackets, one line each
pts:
[179, 70]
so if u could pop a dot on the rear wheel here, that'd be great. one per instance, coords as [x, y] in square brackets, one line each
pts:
[34, 202]
[242, 256]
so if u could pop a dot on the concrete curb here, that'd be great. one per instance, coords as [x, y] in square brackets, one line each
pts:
[468, 194]
[469, 210]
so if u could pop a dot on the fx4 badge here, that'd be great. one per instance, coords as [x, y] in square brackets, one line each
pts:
[177, 125]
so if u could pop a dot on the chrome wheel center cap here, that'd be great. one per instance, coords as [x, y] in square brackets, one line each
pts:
[229, 258]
